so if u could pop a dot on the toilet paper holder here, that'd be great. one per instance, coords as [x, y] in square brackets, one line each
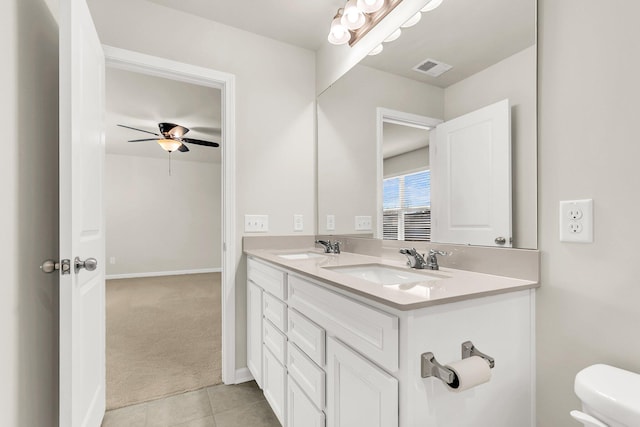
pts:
[430, 367]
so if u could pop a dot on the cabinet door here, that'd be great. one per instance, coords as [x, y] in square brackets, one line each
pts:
[254, 331]
[301, 412]
[274, 380]
[358, 392]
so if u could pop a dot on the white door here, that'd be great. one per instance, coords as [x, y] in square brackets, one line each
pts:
[471, 178]
[82, 299]
[358, 392]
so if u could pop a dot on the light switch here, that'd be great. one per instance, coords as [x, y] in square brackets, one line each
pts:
[256, 223]
[363, 223]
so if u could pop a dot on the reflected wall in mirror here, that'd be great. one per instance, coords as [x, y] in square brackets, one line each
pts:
[491, 48]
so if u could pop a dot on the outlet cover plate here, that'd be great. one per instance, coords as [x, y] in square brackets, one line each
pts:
[331, 222]
[298, 222]
[576, 221]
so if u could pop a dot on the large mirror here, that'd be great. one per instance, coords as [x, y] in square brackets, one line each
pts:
[377, 127]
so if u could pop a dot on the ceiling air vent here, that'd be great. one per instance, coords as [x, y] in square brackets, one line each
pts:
[432, 68]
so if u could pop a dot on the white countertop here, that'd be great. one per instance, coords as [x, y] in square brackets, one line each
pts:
[451, 285]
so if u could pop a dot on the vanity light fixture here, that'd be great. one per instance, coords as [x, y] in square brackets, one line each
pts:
[358, 17]
[338, 34]
[431, 5]
[393, 36]
[412, 21]
[352, 17]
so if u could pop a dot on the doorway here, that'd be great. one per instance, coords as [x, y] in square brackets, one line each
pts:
[154, 66]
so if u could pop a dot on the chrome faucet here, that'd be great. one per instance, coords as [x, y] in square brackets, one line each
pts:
[432, 259]
[329, 246]
[414, 259]
[417, 261]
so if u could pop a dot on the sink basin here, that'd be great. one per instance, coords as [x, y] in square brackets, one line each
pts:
[386, 275]
[301, 255]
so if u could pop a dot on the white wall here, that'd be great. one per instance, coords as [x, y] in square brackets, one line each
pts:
[513, 78]
[587, 307]
[158, 222]
[29, 214]
[275, 111]
[347, 162]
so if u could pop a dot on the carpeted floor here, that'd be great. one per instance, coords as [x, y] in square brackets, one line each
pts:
[163, 336]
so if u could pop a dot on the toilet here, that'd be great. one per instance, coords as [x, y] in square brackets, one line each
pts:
[610, 397]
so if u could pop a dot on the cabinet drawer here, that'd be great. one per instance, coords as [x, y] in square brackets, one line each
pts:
[308, 336]
[268, 278]
[372, 332]
[307, 375]
[274, 340]
[276, 311]
[300, 410]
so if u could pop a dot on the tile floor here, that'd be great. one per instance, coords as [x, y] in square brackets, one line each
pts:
[241, 405]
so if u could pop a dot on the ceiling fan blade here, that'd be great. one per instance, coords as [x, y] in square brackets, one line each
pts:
[145, 131]
[145, 139]
[183, 148]
[172, 130]
[200, 142]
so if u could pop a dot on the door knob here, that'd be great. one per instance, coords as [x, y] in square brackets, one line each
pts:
[89, 264]
[500, 240]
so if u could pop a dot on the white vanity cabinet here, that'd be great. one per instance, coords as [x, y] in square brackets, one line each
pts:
[336, 359]
[266, 332]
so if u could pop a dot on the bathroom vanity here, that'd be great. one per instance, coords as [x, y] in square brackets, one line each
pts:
[337, 340]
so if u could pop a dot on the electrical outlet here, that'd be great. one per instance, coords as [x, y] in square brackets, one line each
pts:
[363, 223]
[576, 221]
[331, 222]
[112, 260]
[298, 223]
[256, 223]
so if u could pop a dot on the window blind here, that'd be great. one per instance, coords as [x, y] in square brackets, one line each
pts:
[407, 207]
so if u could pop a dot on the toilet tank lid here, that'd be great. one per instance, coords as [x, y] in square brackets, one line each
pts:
[611, 391]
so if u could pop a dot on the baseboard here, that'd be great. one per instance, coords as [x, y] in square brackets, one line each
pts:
[162, 273]
[243, 375]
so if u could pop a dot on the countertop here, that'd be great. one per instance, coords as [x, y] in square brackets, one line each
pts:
[438, 287]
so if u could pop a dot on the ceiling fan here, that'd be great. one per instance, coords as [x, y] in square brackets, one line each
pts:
[171, 138]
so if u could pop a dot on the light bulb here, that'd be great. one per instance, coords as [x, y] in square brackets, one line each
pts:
[169, 144]
[393, 36]
[338, 33]
[431, 5]
[370, 6]
[376, 50]
[412, 21]
[352, 17]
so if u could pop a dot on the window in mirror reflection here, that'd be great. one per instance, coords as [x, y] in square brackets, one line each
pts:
[407, 207]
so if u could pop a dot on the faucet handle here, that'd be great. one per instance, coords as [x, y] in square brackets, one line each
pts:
[438, 252]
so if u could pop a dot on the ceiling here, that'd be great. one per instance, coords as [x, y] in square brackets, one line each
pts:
[401, 139]
[468, 34]
[300, 23]
[142, 101]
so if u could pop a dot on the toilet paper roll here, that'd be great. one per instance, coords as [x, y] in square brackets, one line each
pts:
[470, 372]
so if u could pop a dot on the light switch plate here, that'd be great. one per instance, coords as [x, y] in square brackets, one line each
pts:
[576, 221]
[256, 223]
[363, 223]
[298, 222]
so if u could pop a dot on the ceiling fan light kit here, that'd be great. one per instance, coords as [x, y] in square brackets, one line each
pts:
[353, 21]
[171, 137]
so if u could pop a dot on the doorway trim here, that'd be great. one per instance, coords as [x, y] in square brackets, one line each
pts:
[160, 67]
[387, 115]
